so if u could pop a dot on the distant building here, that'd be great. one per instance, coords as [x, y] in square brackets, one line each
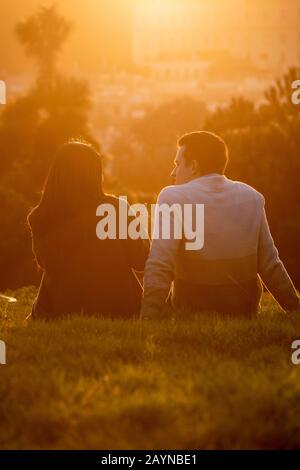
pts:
[266, 33]
[207, 49]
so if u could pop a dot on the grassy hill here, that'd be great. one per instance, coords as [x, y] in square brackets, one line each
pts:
[186, 382]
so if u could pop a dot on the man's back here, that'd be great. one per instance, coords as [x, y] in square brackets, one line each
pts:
[223, 275]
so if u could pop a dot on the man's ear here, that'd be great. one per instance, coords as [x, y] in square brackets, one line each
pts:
[195, 167]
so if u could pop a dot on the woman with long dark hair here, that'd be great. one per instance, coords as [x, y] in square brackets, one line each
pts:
[81, 273]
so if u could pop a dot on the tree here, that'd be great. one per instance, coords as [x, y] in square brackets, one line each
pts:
[43, 36]
[32, 127]
[279, 105]
[145, 153]
[239, 114]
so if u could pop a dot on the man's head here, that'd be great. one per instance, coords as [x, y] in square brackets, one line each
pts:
[198, 154]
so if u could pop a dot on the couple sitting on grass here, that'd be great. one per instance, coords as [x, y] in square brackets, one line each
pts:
[87, 275]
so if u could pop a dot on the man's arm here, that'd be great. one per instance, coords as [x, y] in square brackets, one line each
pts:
[272, 270]
[160, 266]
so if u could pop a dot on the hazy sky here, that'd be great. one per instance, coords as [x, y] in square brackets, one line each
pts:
[101, 32]
[94, 37]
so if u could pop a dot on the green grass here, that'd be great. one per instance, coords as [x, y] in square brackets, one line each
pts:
[190, 382]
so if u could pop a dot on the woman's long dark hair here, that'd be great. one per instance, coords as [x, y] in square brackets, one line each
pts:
[73, 185]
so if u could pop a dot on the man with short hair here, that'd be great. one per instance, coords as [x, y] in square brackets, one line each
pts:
[238, 252]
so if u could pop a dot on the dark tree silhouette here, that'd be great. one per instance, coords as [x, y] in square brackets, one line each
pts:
[43, 36]
[239, 114]
[32, 127]
[279, 96]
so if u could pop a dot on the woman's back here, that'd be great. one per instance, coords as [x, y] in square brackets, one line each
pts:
[85, 274]
[82, 274]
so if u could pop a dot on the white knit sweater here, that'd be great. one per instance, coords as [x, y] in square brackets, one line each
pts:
[237, 248]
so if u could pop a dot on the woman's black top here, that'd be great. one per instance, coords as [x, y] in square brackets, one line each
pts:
[86, 275]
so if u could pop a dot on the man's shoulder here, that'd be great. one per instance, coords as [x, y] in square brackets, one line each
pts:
[169, 194]
[173, 193]
[248, 190]
[178, 193]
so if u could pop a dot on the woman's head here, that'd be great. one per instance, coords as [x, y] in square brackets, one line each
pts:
[74, 183]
